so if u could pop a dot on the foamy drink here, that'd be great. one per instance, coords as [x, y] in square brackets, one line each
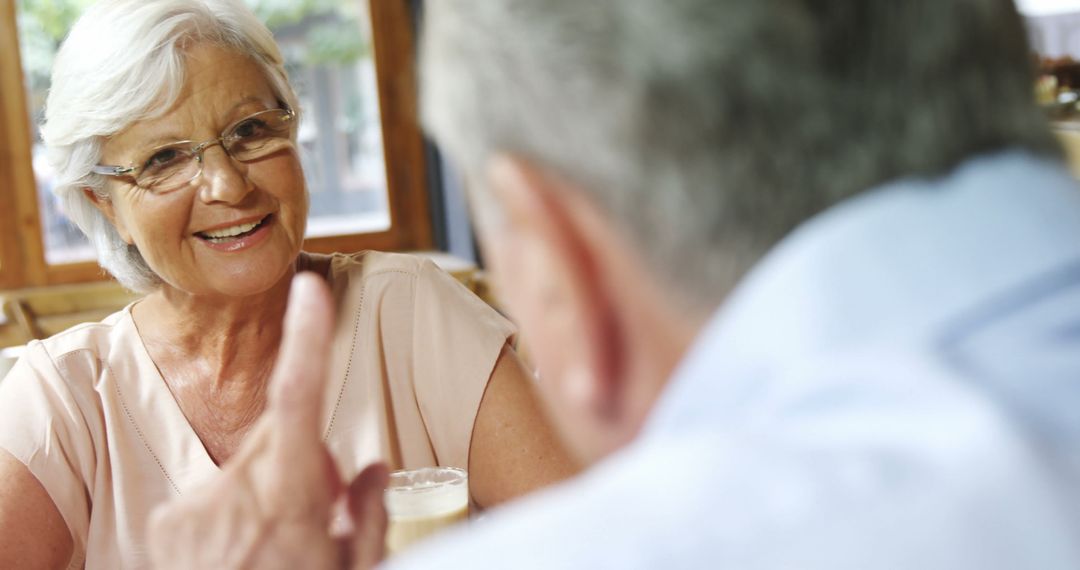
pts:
[422, 501]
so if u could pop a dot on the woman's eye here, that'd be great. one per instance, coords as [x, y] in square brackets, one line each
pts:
[163, 157]
[249, 128]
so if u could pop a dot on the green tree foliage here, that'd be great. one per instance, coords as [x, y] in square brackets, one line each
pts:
[42, 26]
[331, 30]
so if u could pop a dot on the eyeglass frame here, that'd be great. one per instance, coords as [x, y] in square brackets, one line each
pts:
[194, 151]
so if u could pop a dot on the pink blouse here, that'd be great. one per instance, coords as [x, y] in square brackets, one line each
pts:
[89, 414]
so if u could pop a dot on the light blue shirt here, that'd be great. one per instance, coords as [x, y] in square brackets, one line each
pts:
[896, 385]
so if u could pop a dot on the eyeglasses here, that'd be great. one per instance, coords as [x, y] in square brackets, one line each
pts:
[168, 167]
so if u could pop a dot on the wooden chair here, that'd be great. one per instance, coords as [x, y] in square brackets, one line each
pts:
[37, 313]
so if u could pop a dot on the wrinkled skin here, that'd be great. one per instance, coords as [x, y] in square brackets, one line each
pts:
[272, 505]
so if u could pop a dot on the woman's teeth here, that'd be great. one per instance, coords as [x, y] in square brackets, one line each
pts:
[230, 232]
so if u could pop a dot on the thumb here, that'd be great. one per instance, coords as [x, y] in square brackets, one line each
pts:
[299, 377]
[369, 516]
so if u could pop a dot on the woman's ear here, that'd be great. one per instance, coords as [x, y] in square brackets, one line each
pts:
[105, 205]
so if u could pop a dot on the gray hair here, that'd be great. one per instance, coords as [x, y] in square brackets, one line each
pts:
[709, 129]
[123, 62]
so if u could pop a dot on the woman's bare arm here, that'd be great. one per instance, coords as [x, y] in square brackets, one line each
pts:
[514, 450]
[32, 531]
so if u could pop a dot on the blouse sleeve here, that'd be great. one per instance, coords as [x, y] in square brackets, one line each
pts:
[457, 340]
[43, 426]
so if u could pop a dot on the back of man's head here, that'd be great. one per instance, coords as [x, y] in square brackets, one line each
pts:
[708, 129]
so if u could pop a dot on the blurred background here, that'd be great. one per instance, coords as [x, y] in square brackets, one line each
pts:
[1054, 34]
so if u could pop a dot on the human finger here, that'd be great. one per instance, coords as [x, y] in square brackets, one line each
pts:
[369, 516]
[202, 530]
[299, 377]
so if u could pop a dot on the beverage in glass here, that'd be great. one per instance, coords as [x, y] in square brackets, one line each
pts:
[422, 501]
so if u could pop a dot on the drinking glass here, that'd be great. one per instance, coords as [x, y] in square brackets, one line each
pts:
[422, 501]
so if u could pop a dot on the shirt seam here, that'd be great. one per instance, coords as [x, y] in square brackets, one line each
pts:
[352, 344]
[425, 265]
[142, 438]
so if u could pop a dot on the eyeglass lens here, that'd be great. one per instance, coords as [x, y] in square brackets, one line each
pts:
[171, 166]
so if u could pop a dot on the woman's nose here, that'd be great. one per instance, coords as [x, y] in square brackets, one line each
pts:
[223, 179]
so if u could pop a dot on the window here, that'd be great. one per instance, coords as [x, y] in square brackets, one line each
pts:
[1045, 7]
[351, 62]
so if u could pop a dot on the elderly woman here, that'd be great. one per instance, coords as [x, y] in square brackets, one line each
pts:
[172, 127]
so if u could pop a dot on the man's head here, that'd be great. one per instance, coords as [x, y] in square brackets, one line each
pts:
[630, 160]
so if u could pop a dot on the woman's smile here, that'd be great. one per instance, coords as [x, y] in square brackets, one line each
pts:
[237, 236]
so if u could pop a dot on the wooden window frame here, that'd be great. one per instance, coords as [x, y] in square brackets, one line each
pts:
[22, 251]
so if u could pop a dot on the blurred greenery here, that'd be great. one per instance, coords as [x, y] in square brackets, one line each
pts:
[334, 35]
[331, 30]
[42, 25]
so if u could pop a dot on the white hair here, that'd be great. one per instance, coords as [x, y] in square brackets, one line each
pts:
[706, 130]
[617, 96]
[122, 62]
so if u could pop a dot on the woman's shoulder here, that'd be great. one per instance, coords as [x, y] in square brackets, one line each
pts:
[96, 337]
[405, 286]
[363, 265]
[89, 335]
[380, 277]
[74, 358]
[52, 400]
[354, 268]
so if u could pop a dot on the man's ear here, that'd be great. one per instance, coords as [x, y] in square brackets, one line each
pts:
[547, 266]
[105, 205]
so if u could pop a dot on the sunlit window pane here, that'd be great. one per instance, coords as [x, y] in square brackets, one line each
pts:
[327, 46]
[42, 26]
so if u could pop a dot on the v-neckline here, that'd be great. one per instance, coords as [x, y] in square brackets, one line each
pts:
[162, 424]
[166, 431]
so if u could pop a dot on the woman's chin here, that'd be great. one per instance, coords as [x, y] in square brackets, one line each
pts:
[236, 279]
[249, 273]
[254, 282]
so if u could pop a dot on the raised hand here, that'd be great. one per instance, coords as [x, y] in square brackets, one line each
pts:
[271, 505]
